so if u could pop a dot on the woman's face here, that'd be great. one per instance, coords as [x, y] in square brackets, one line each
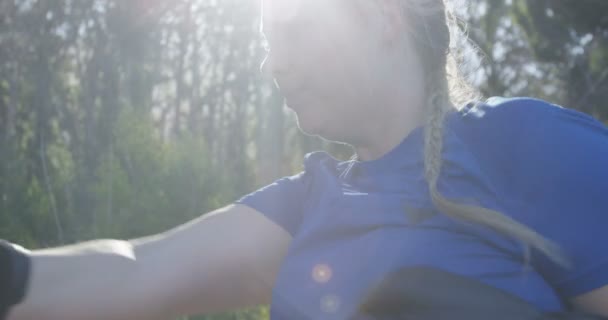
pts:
[335, 64]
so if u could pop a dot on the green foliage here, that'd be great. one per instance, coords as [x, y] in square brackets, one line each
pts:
[144, 186]
[257, 313]
[552, 49]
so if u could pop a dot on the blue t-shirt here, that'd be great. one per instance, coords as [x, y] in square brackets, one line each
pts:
[353, 222]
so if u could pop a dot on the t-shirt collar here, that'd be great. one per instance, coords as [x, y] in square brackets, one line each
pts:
[407, 154]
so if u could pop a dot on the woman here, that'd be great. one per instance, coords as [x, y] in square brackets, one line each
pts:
[507, 192]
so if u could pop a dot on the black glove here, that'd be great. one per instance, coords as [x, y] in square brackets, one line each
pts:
[14, 275]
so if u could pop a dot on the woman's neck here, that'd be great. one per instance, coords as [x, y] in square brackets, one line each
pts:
[387, 135]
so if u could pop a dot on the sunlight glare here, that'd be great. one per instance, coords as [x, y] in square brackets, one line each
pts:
[280, 10]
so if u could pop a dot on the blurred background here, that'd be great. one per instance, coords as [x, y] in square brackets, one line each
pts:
[122, 118]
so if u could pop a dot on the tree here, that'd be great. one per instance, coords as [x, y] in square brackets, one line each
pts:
[555, 50]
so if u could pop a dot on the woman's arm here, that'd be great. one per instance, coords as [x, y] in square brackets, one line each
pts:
[594, 302]
[223, 260]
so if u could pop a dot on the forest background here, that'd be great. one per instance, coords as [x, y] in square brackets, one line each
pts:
[122, 118]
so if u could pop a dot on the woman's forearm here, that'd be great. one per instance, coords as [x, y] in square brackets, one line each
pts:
[91, 280]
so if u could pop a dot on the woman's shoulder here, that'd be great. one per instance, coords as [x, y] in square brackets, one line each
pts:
[511, 111]
[518, 116]
[519, 121]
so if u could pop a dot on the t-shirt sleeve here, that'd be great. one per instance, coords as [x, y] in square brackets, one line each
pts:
[281, 201]
[566, 182]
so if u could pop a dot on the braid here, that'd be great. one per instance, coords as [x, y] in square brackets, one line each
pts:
[433, 142]
[471, 213]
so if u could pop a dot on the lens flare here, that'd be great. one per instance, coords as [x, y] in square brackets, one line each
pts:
[321, 273]
[330, 303]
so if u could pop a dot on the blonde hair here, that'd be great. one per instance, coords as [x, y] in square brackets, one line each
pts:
[433, 27]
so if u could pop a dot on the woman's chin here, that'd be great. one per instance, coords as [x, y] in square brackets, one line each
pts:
[312, 124]
[317, 129]
[308, 126]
